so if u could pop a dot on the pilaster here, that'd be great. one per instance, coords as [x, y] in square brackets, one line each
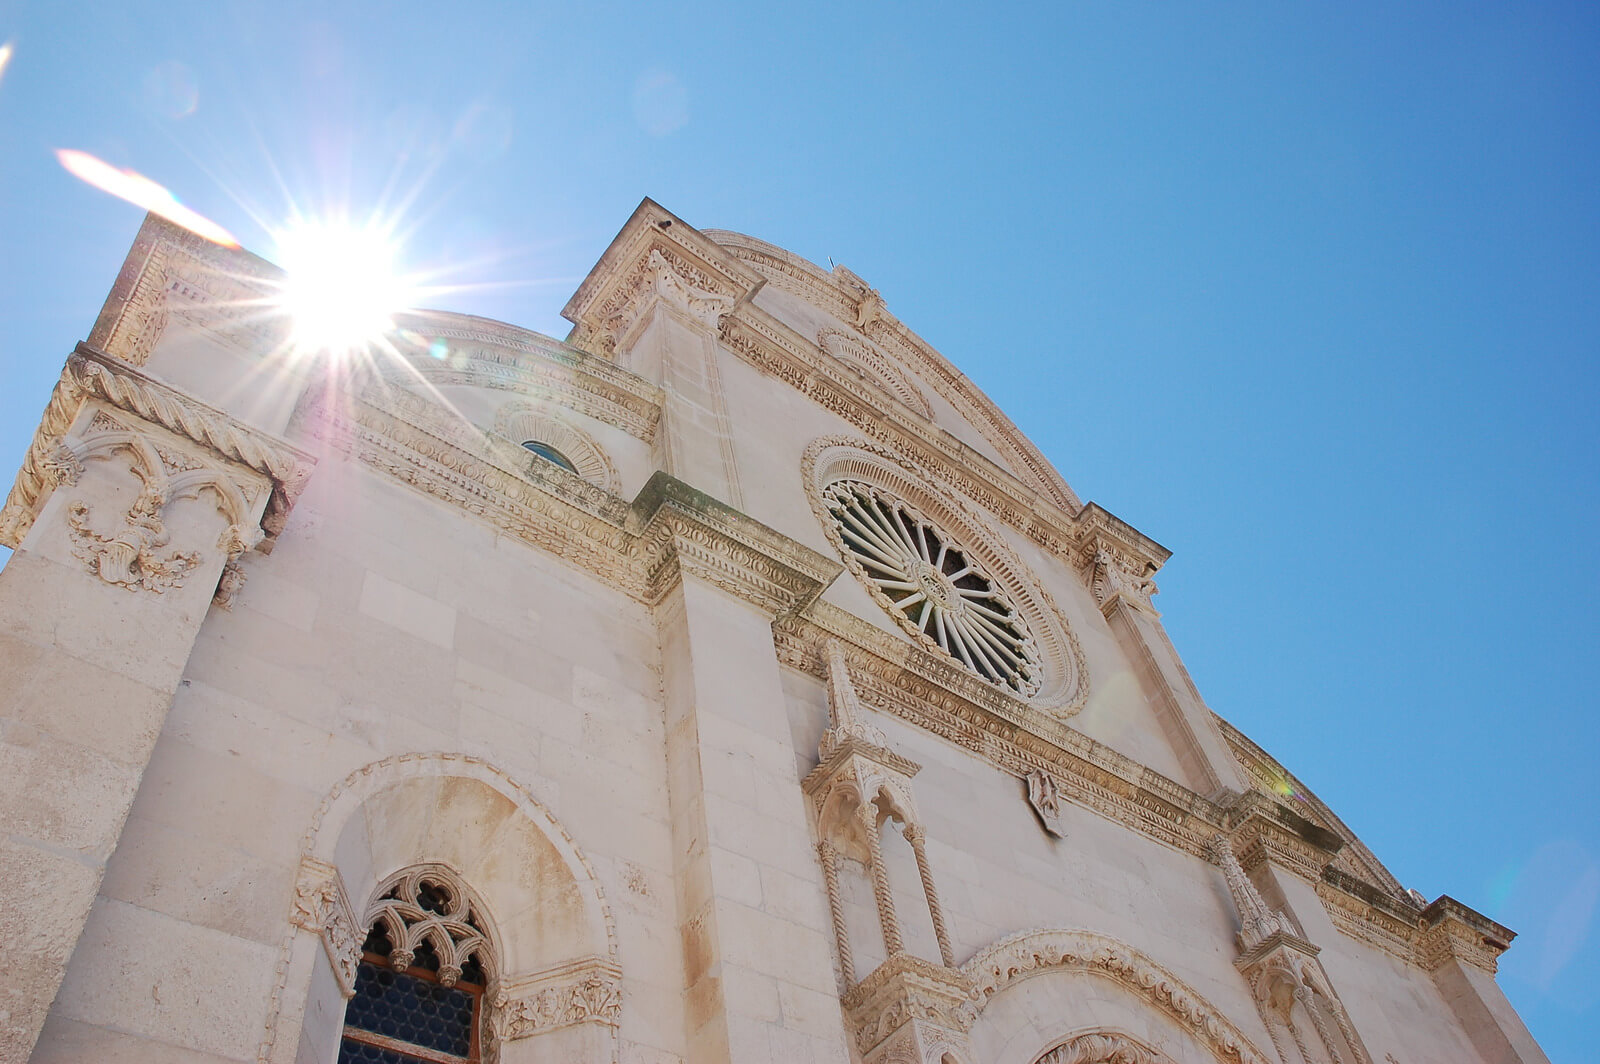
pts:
[758, 980]
[131, 503]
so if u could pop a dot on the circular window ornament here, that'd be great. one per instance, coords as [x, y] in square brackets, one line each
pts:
[934, 587]
[908, 535]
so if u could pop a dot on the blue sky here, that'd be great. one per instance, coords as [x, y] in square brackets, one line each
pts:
[1307, 293]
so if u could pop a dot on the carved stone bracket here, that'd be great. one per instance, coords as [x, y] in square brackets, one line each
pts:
[582, 991]
[322, 907]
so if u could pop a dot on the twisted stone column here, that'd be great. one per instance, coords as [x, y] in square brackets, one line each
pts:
[880, 882]
[841, 939]
[917, 836]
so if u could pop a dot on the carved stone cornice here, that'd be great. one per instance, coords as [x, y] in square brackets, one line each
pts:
[1449, 930]
[651, 242]
[916, 685]
[1116, 560]
[852, 301]
[894, 677]
[907, 990]
[1271, 780]
[1264, 829]
[171, 274]
[1029, 953]
[490, 354]
[588, 990]
[686, 531]
[322, 907]
[93, 376]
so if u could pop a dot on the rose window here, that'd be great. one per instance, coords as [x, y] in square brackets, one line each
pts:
[932, 586]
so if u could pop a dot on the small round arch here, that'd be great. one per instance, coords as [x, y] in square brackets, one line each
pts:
[541, 431]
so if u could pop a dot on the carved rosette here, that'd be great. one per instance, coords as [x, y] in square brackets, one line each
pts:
[322, 907]
[583, 991]
[1057, 675]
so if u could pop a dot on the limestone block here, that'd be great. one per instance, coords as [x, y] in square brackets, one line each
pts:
[164, 979]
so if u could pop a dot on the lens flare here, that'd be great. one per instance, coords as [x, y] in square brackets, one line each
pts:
[142, 192]
[5, 57]
[341, 289]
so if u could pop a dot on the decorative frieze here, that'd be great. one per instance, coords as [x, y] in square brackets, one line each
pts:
[586, 991]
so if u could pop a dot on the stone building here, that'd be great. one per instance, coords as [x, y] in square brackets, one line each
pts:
[727, 682]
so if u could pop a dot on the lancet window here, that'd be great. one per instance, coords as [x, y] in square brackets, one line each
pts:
[425, 968]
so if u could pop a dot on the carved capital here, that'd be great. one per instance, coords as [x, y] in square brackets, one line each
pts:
[906, 991]
[1449, 930]
[688, 532]
[91, 376]
[322, 907]
[583, 991]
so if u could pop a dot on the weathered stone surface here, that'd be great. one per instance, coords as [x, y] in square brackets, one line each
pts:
[619, 739]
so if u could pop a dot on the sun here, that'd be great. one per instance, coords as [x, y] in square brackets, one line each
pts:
[341, 286]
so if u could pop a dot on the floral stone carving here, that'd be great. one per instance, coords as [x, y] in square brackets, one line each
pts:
[133, 556]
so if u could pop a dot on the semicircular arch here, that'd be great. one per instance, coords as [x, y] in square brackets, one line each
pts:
[522, 422]
[1153, 1007]
[464, 813]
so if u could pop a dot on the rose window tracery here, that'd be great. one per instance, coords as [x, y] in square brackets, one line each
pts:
[932, 585]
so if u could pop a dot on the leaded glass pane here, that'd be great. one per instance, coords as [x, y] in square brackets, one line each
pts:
[411, 1010]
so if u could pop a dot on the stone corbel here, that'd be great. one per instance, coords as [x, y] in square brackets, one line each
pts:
[322, 907]
[588, 990]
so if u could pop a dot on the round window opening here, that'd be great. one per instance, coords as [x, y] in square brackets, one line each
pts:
[550, 454]
[933, 586]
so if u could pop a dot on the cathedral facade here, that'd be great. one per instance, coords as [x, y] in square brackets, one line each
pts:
[727, 683]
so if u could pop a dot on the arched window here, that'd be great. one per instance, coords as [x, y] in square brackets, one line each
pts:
[549, 453]
[425, 967]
